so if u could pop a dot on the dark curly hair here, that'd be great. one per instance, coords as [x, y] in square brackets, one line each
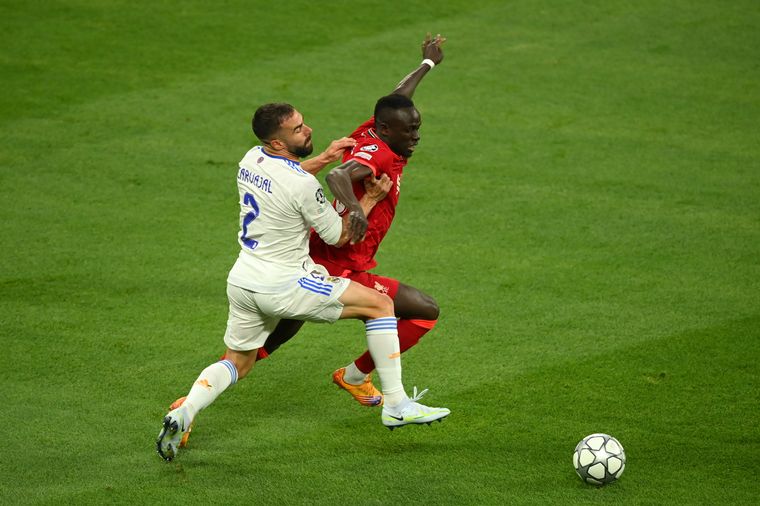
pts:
[268, 118]
[391, 102]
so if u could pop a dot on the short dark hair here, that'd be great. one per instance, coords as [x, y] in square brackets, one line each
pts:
[391, 102]
[268, 118]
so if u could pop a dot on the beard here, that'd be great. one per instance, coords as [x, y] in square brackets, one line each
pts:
[304, 151]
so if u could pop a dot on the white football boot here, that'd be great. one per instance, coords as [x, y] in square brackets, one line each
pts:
[170, 437]
[412, 412]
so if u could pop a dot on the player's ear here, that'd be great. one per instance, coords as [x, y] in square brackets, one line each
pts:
[276, 144]
[381, 127]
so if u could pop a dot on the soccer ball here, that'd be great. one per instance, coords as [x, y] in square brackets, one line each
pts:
[599, 459]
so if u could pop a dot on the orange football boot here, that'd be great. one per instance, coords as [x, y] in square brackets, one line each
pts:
[365, 394]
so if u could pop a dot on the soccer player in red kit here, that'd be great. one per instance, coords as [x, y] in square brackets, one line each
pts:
[384, 143]
[381, 149]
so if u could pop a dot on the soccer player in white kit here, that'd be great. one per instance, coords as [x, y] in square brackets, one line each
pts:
[274, 277]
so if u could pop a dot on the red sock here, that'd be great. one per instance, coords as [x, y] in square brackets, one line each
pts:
[409, 334]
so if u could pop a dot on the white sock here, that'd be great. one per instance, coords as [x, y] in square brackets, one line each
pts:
[382, 342]
[353, 375]
[212, 381]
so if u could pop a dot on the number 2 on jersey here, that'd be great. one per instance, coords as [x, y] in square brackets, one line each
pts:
[247, 219]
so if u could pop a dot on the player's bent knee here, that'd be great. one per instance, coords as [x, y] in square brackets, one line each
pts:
[379, 306]
[412, 303]
[435, 311]
[365, 303]
[385, 304]
[430, 309]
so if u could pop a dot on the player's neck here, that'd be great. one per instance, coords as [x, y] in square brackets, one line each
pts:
[281, 153]
[385, 140]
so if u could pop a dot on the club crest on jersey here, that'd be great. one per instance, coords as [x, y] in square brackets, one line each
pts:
[371, 148]
[320, 196]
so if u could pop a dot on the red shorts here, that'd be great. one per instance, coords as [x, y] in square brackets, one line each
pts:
[388, 286]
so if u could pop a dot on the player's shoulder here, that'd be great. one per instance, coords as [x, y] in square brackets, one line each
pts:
[256, 156]
[364, 129]
[372, 151]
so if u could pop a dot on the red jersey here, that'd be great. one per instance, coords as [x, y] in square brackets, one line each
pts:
[371, 151]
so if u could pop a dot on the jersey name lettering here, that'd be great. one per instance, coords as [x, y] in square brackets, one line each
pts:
[260, 182]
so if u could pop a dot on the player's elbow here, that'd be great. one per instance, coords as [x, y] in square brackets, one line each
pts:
[341, 241]
[333, 232]
[333, 177]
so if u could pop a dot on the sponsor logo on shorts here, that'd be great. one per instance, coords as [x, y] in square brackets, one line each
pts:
[381, 288]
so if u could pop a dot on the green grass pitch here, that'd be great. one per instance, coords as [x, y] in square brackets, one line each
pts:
[584, 205]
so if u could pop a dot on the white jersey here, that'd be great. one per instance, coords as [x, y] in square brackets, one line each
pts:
[279, 204]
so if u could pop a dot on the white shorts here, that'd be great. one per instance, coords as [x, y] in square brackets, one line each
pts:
[253, 316]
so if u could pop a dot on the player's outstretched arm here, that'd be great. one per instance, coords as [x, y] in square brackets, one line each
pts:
[432, 52]
[340, 180]
[333, 153]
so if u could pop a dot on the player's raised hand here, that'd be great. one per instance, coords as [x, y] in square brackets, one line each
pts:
[334, 151]
[431, 48]
[377, 189]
